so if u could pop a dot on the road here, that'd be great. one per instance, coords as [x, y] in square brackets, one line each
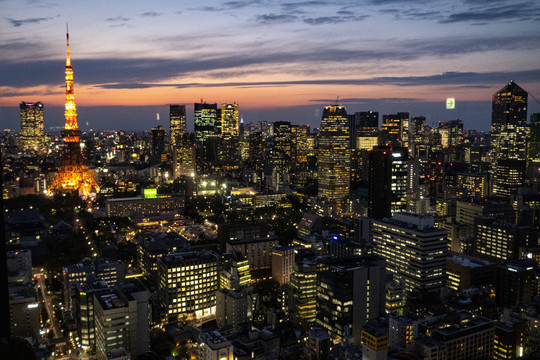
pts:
[48, 306]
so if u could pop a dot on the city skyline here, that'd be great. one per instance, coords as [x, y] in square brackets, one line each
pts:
[279, 61]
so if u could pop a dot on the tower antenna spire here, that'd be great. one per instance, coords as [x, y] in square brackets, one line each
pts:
[68, 58]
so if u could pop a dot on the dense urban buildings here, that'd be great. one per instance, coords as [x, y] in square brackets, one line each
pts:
[416, 238]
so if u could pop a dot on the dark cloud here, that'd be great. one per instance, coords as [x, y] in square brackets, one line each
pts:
[333, 19]
[20, 22]
[299, 4]
[229, 5]
[275, 18]
[461, 79]
[504, 12]
[118, 19]
[151, 14]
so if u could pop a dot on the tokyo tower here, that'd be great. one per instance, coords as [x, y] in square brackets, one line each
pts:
[73, 173]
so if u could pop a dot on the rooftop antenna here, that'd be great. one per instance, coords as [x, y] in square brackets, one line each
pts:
[337, 101]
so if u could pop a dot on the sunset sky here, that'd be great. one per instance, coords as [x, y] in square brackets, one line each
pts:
[280, 60]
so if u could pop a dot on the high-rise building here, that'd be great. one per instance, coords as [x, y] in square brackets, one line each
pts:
[414, 249]
[509, 123]
[300, 147]
[184, 156]
[230, 125]
[516, 282]
[395, 129]
[365, 133]
[158, 144]
[231, 308]
[282, 263]
[533, 157]
[73, 174]
[499, 241]
[187, 284]
[509, 177]
[334, 154]
[356, 282]
[205, 121]
[451, 132]
[177, 122]
[121, 320]
[282, 146]
[303, 282]
[32, 136]
[387, 177]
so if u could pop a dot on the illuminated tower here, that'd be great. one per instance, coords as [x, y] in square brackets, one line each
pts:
[229, 121]
[334, 154]
[32, 133]
[73, 173]
[395, 129]
[177, 122]
[509, 123]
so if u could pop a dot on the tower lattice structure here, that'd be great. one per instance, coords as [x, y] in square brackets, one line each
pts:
[73, 173]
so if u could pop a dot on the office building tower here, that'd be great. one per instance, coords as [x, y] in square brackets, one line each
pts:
[414, 249]
[395, 130]
[365, 130]
[358, 283]
[228, 152]
[184, 157]
[509, 123]
[533, 157]
[73, 174]
[32, 136]
[300, 146]
[303, 282]
[234, 271]
[120, 322]
[187, 285]
[205, 121]
[157, 136]
[465, 272]
[258, 252]
[499, 241]
[83, 309]
[282, 263]
[387, 177]
[334, 155]
[177, 122]
[152, 247]
[472, 185]
[451, 132]
[229, 121]
[509, 177]
[470, 338]
[282, 156]
[516, 282]
[231, 308]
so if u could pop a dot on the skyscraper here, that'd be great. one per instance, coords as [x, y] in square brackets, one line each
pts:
[350, 291]
[395, 129]
[32, 136]
[334, 154]
[533, 159]
[509, 123]
[387, 176]
[282, 145]
[205, 121]
[414, 249]
[73, 174]
[177, 122]
[230, 125]
[184, 157]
